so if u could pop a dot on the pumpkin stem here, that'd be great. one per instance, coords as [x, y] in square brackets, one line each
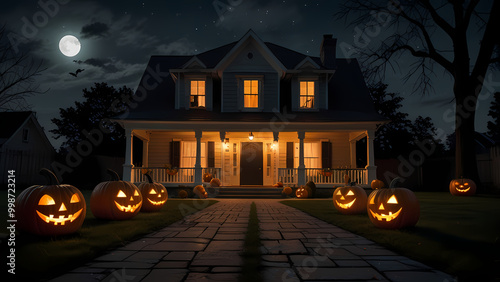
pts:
[50, 176]
[394, 181]
[150, 180]
[114, 175]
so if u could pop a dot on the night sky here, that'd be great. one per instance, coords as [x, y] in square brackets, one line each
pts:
[118, 37]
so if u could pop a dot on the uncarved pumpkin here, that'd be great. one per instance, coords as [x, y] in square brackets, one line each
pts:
[393, 208]
[115, 199]
[462, 187]
[377, 184]
[52, 209]
[312, 187]
[199, 190]
[350, 199]
[287, 191]
[154, 195]
[215, 182]
[183, 194]
[207, 177]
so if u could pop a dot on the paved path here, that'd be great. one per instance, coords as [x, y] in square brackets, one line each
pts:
[206, 246]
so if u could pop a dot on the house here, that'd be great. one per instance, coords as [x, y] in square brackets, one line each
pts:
[24, 148]
[251, 113]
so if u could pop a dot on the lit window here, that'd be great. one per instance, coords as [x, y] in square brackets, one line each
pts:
[312, 153]
[197, 99]
[307, 94]
[251, 93]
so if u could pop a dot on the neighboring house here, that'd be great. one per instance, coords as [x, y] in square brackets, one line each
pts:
[252, 113]
[24, 148]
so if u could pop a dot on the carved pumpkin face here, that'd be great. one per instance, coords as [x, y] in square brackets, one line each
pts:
[207, 177]
[154, 195]
[350, 199]
[393, 208]
[51, 209]
[462, 187]
[115, 199]
[303, 192]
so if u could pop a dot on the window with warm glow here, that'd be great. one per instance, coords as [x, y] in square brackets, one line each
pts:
[197, 98]
[307, 94]
[188, 154]
[312, 153]
[251, 93]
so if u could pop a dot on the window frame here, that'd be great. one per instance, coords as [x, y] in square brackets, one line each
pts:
[241, 92]
[191, 80]
[307, 81]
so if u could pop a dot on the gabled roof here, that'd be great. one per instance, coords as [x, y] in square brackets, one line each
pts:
[16, 121]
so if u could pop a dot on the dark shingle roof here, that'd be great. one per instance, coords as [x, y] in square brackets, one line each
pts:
[11, 121]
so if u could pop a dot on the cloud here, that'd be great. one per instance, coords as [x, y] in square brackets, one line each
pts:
[105, 64]
[181, 46]
[97, 29]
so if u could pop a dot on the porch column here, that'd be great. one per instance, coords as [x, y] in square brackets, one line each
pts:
[222, 135]
[371, 169]
[276, 154]
[197, 165]
[301, 177]
[352, 146]
[127, 166]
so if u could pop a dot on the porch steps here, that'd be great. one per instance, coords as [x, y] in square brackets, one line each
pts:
[250, 192]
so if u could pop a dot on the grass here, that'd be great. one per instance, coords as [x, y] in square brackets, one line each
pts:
[46, 257]
[251, 253]
[459, 235]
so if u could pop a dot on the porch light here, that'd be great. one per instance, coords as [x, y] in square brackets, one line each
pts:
[250, 137]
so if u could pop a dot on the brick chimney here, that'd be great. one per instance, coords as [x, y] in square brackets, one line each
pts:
[328, 51]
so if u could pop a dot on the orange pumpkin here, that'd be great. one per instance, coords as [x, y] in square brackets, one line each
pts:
[115, 199]
[215, 182]
[377, 184]
[154, 195]
[462, 187]
[303, 192]
[200, 191]
[393, 208]
[350, 199]
[207, 177]
[183, 194]
[52, 209]
[287, 191]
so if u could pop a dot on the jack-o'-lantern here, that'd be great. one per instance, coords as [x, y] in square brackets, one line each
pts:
[199, 190]
[154, 195]
[393, 208]
[350, 199]
[215, 182]
[207, 177]
[303, 192]
[462, 187]
[377, 184]
[52, 209]
[115, 199]
[182, 194]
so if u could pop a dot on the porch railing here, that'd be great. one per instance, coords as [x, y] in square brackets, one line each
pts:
[321, 176]
[162, 175]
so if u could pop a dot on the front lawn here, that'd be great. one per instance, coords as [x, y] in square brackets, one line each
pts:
[459, 235]
[40, 258]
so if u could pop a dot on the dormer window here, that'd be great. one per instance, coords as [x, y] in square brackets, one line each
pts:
[307, 94]
[197, 97]
[250, 93]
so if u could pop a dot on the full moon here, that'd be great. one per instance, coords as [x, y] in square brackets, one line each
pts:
[69, 45]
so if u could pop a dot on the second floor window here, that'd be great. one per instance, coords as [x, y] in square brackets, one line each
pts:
[251, 93]
[197, 98]
[307, 94]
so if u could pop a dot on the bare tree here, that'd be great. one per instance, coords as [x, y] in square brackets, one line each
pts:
[17, 76]
[437, 33]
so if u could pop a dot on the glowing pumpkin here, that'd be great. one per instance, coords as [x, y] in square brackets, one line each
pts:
[115, 199]
[154, 195]
[183, 194]
[215, 182]
[303, 192]
[52, 209]
[462, 187]
[377, 184]
[393, 208]
[207, 177]
[199, 190]
[350, 199]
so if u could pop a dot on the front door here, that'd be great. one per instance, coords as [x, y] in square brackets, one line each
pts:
[251, 163]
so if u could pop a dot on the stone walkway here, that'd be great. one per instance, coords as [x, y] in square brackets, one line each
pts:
[206, 246]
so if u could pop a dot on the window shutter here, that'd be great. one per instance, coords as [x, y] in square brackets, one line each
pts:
[175, 153]
[289, 154]
[326, 154]
[211, 154]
